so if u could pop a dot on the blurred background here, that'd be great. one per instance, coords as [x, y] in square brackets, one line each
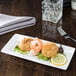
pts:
[67, 3]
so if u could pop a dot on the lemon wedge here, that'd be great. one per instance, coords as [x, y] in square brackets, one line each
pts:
[59, 60]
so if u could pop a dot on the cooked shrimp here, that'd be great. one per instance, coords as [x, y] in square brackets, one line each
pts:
[36, 45]
[33, 52]
[24, 45]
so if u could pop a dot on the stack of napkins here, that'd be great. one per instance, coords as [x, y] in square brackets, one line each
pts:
[10, 23]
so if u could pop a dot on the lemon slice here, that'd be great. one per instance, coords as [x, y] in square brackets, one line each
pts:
[59, 60]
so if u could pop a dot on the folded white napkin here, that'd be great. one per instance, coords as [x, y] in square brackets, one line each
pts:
[10, 23]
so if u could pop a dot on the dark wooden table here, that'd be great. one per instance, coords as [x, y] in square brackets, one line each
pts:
[13, 66]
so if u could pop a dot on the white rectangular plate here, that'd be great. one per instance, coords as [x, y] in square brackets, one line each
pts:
[8, 49]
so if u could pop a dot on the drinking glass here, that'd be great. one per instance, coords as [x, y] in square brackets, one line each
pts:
[73, 4]
[52, 10]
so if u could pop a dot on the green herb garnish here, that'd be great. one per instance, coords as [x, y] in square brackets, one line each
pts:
[40, 56]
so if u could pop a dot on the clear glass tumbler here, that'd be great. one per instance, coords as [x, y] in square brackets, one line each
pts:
[73, 4]
[52, 10]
